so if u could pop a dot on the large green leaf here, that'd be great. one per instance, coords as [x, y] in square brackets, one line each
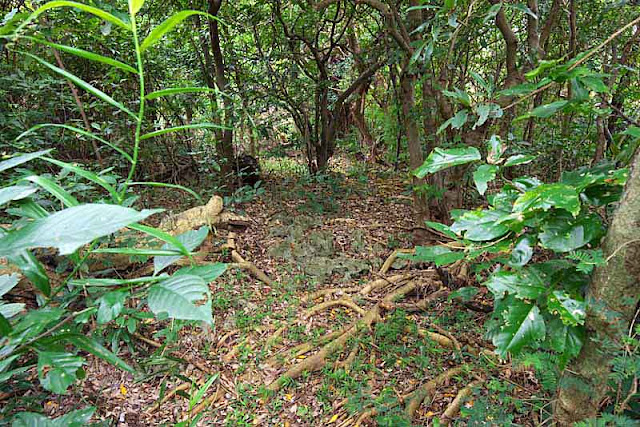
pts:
[135, 6]
[562, 233]
[167, 25]
[84, 7]
[177, 297]
[571, 311]
[544, 111]
[84, 85]
[24, 158]
[481, 225]
[547, 196]
[521, 284]
[71, 228]
[78, 418]
[441, 159]
[439, 255]
[86, 54]
[57, 370]
[456, 121]
[111, 305]
[522, 325]
[189, 240]
[208, 272]
[483, 175]
[16, 192]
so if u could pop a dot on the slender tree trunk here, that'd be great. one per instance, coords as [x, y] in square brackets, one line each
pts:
[612, 301]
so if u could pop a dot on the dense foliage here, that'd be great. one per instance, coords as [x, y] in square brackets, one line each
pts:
[516, 122]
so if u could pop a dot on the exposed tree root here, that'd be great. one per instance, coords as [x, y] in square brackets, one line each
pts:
[454, 407]
[384, 282]
[318, 360]
[328, 292]
[440, 339]
[344, 301]
[416, 398]
[392, 258]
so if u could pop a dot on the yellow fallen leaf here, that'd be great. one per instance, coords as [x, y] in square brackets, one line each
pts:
[430, 414]
[123, 390]
[333, 419]
[289, 397]
[302, 356]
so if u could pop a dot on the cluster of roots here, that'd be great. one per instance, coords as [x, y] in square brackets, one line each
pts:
[411, 292]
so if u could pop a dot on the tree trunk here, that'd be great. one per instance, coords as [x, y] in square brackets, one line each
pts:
[612, 301]
[416, 156]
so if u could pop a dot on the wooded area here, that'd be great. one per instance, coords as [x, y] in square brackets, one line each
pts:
[320, 212]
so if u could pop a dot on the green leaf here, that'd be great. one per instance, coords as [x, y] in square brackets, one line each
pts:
[167, 185]
[481, 81]
[439, 255]
[441, 159]
[523, 251]
[449, 4]
[459, 95]
[543, 65]
[189, 240]
[456, 121]
[115, 282]
[523, 326]
[547, 196]
[167, 25]
[492, 13]
[483, 175]
[16, 192]
[86, 174]
[464, 294]
[564, 339]
[78, 418]
[632, 131]
[521, 284]
[495, 149]
[135, 6]
[5, 329]
[176, 244]
[92, 346]
[84, 7]
[486, 111]
[84, 85]
[137, 251]
[595, 83]
[208, 272]
[57, 371]
[519, 159]
[444, 229]
[481, 225]
[16, 161]
[571, 311]
[177, 296]
[71, 228]
[544, 111]
[179, 128]
[562, 233]
[86, 54]
[8, 282]
[78, 131]
[111, 305]
[32, 269]
[178, 90]
[54, 189]
[9, 310]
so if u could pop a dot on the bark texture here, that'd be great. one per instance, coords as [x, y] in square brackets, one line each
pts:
[613, 299]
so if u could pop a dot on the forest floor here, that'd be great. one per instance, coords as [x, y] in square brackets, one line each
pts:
[335, 336]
